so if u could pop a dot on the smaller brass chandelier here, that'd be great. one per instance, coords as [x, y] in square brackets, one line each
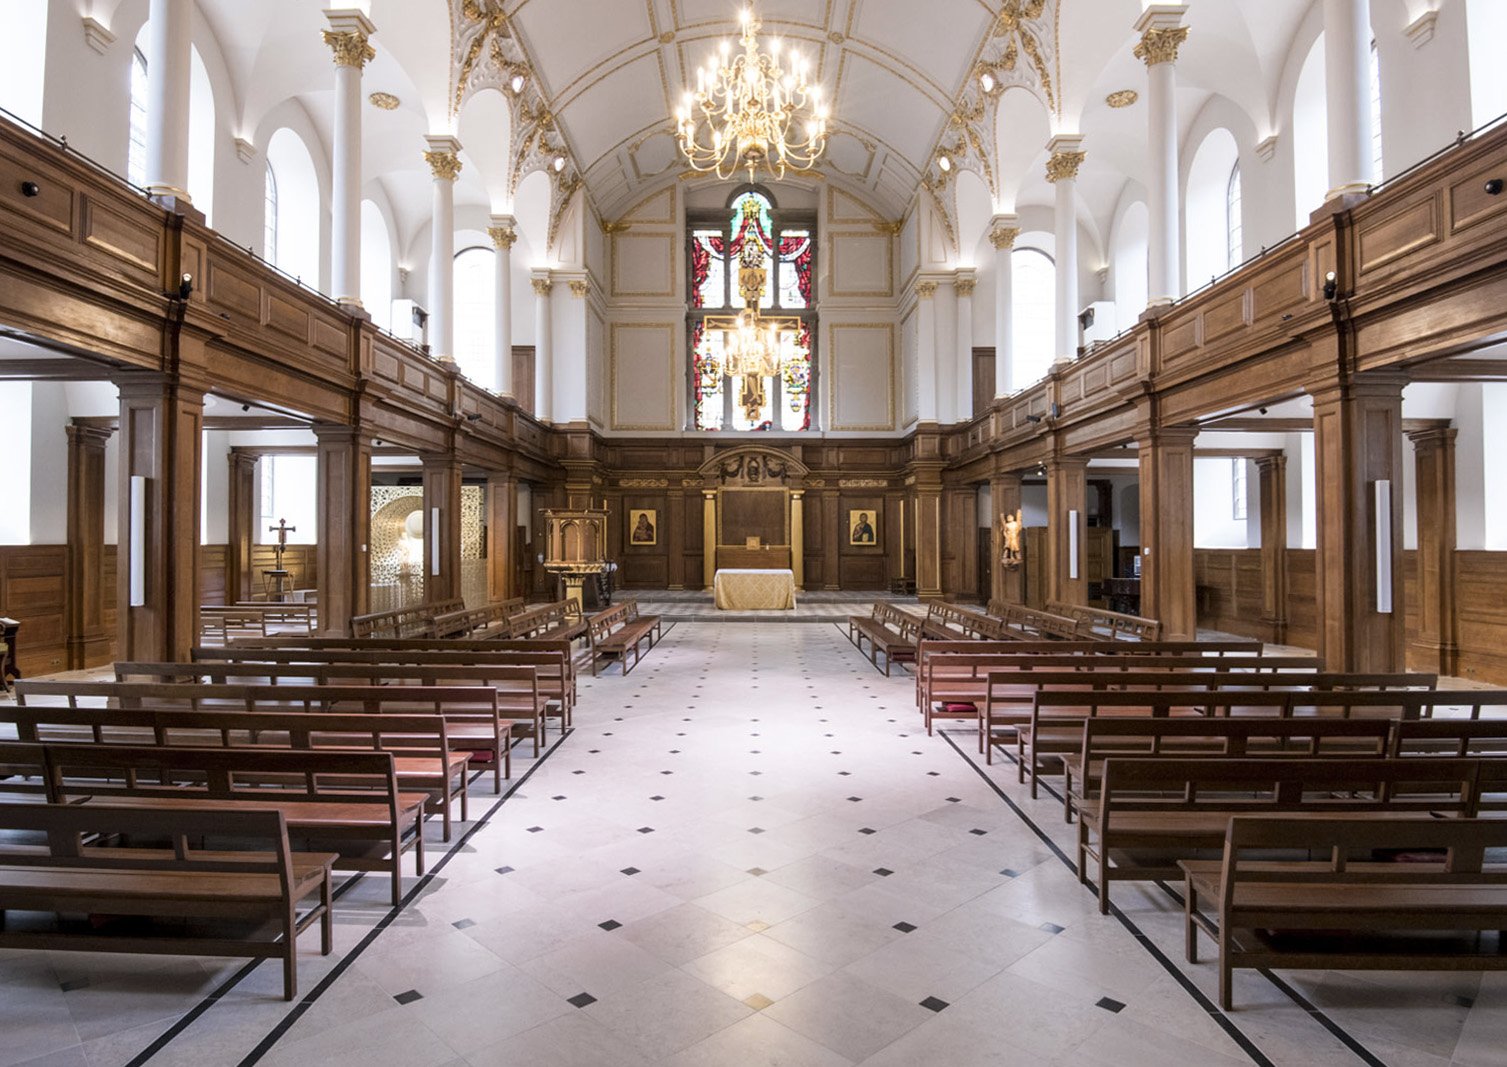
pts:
[753, 344]
[750, 112]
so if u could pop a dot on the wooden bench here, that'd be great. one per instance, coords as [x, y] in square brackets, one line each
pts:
[519, 700]
[254, 893]
[1116, 625]
[475, 718]
[1053, 727]
[348, 800]
[1153, 812]
[420, 744]
[951, 622]
[1204, 737]
[1021, 621]
[1452, 737]
[548, 622]
[23, 773]
[888, 630]
[415, 621]
[618, 630]
[490, 620]
[552, 660]
[1289, 913]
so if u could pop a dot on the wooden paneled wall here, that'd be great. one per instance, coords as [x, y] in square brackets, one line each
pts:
[214, 563]
[31, 592]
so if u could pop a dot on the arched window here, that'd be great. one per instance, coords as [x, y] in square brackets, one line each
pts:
[1310, 136]
[269, 216]
[136, 154]
[474, 325]
[376, 265]
[752, 232]
[1034, 314]
[1132, 284]
[1210, 243]
[1376, 156]
[1234, 224]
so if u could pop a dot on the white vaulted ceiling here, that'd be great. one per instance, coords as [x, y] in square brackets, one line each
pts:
[614, 70]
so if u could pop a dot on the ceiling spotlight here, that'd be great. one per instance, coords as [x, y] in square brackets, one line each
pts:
[944, 162]
[516, 84]
[559, 164]
[987, 81]
[1331, 285]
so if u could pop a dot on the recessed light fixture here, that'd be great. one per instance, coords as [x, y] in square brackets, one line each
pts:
[559, 164]
[516, 83]
[1123, 98]
[987, 81]
[945, 162]
[385, 101]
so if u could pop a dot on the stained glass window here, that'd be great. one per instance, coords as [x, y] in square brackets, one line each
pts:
[783, 244]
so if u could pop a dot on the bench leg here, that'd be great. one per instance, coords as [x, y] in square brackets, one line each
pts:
[465, 792]
[1082, 853]
[445, 810]
[1103, 879]
[290, 964]
[496, 770]
[1226, 975]
[1190, 928]
[507, 756]
[326, 921]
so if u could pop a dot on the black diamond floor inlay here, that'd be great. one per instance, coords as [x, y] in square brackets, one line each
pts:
[1051, 928]
[883, 872]
[1109, 1005]
[610, 925]
[868, 830]
[463, 924]
[580, 1000]
[408, 997]
[646, 829]
[629, 871]
[904, 928]
[504, 870]
[934, 1004]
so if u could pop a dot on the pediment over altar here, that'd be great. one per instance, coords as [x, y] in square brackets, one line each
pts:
[752, 466]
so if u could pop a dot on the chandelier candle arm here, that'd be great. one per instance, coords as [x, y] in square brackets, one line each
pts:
[749, 111]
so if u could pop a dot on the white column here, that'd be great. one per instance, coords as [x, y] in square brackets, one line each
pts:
[544, 356]
[945, 318]
[1161, 35]
[504, 233]
[347, 38]
[964, 285]
[926, 351]
[169, 38]
[443, 158]
[1347, 77]
[1002, 235]
[1062, 170]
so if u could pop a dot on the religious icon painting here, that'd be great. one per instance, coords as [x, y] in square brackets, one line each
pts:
[863, 527]
[643, 526]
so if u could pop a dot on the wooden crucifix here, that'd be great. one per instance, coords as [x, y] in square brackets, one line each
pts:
[282, 529]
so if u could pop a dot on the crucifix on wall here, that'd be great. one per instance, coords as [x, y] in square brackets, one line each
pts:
[282, 529]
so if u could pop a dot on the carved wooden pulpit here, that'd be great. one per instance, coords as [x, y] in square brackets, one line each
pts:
[575, 547]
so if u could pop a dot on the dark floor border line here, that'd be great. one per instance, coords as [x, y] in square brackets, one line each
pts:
[1226, 1024]
[309, 999]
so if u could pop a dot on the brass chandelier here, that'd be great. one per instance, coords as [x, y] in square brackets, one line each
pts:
[750, 112]
[752, 344]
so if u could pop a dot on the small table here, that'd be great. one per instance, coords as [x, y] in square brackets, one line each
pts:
[754, 590]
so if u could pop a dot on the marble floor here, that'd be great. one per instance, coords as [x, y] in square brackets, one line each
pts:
[746, 853]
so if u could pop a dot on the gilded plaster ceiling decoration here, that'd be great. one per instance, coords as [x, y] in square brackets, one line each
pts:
[893, 80]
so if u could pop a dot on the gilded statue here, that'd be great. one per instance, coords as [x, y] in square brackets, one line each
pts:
[1009, 535]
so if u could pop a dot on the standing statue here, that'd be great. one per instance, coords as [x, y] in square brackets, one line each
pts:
[1009, 528]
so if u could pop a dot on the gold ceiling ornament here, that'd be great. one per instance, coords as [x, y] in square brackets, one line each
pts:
[750, 112]
[753, 345]
[610, 228]
[1063, 166]
[444, 165]
[502, 236]
[1122, 98]
[891, 227]
[1002, 237]
[1014, 25]
[384, 101]
[668, 37]
[493, 24]
[1161, 45]
[350, 47]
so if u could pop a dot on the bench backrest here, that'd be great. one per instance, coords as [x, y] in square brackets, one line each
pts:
[1458, 737]
[261, 839]
[1312, 702]
[505, 677]
[403, 622]
[1298, 737]
[1119, 625]
[369, 699]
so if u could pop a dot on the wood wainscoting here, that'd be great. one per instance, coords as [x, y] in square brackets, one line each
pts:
[32, 593]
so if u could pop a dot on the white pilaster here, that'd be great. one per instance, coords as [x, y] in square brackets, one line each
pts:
[1161, 34]
[169, 37]
[347, 38]
[1062, 171]
[544, 355]
[1347, 76]
[926, 351]
[963, 285]
[1002, 234]
[443, 157]
[504, 232]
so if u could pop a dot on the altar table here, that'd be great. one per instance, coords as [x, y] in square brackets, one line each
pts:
[754, 590]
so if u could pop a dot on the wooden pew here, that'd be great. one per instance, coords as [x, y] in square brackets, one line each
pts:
[476, 720]
[1021, 621]
[1238, 901]
[490, 620]
[951, 622]
[23, 773]
[420, 744]
[888, 630]
[1053, 728]
[347, 799]
[519, 701]
[1451, 737]
[416, 621]
[1117, 626]
[260, 886]
[1153, 812]
[1203, 737]
[549, 622]
[554, 658]
[617, 631]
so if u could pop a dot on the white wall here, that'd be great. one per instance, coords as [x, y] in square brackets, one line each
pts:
[15, 408]
[1214, 524]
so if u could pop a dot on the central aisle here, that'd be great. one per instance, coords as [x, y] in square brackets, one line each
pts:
[748, 852]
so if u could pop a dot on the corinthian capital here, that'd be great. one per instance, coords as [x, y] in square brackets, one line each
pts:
[443, 157]
[351, 48]
[1160, 46]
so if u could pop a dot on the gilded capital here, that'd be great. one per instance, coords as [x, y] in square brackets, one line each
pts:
[350, 47]
[445, 165]
[1063, 166]
[542, 286]
[1161, 45]
[502, 236]
[579, 287]
[926, 290]
[1002, 237]
[965, 286]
